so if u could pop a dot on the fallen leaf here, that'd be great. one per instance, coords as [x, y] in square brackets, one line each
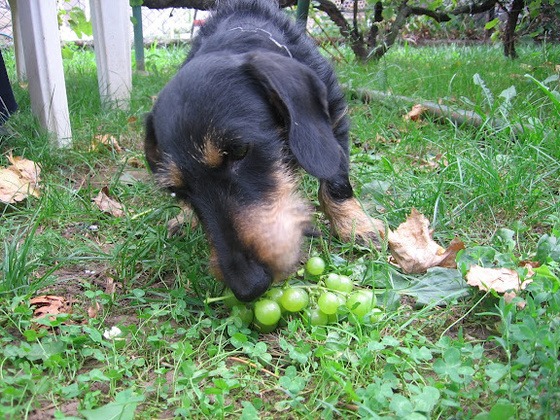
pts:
[501, 280]
[415, 113]
[131, 177]
[135, 162]
[50, 305]
[132, 120]
[93, 310]
[110, 286]
[414, 250]
[380, 139]
[19, 180]
[107, 204]
[529, 264]
[105, 141]
[432, 162]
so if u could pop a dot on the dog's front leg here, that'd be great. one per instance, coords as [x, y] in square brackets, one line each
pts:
[348, 219]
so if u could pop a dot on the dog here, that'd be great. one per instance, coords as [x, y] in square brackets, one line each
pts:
[253, 102]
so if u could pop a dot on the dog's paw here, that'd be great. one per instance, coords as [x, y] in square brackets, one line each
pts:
[351, 224]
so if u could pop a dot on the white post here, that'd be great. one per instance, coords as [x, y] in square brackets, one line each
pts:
[18, 46]
[111, 39]
[43, 64]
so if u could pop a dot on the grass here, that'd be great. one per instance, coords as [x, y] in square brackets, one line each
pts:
[177, 356]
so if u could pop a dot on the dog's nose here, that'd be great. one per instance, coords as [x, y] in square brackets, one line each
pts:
[252, 283]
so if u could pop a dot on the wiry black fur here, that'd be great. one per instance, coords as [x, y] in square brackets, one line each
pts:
[256, 85]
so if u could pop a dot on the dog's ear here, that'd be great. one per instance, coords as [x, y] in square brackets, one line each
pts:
[151, 148]
[301, 99]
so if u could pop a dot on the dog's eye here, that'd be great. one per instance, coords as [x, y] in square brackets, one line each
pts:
[238, 152]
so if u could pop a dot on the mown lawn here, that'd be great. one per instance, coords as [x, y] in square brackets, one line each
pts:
[179, 352]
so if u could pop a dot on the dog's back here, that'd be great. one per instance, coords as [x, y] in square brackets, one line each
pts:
[240, 26]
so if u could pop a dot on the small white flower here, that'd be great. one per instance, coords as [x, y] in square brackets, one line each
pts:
[113, 333]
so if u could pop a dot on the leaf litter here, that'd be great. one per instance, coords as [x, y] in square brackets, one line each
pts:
[414, 251]
[20, 180]
[107, 204]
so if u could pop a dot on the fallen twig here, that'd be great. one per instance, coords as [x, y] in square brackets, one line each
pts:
[439, 111]
[253, 365]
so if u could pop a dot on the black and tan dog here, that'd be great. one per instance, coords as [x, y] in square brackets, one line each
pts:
[254, 101]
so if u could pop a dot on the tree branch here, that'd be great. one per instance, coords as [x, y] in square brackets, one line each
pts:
[196, 4]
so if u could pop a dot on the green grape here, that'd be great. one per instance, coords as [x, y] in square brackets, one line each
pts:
[244, 313]
[294, 299]
[275, 294]
[339, 283]
[360, 303]
[372, 299]
[267, 312]
[375, 315]
[328, 302]
[264, 328]
[316, 317]
[346, 284]
[315, 266]
[333, 318]
[332, 281]
[230, 301]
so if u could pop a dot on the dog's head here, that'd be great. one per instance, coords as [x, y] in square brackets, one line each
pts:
[224, 135]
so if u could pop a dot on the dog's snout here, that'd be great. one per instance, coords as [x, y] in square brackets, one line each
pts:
[253, 286]
[247, 279]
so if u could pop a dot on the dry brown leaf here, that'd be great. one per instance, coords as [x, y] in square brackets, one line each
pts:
[415, 113]
[414, 250]
[502, 280]
[107, 204]
[105, 141]
[93, 310]
[381, 139]
[110, 286]
[49, 305]
[432, 162]
[133, 176]
[132, 120]
[19, 180]
[135, 162]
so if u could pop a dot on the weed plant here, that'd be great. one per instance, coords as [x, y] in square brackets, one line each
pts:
[173, 355]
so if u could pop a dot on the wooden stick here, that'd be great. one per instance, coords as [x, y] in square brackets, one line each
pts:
[246, 362]
[456, 116]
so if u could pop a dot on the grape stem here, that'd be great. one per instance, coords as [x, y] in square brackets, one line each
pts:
[209, 300]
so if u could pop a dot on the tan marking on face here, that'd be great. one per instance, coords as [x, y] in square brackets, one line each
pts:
[274, 229]
[215, 264]
[212, 155]
[170, 175]
[349, 221]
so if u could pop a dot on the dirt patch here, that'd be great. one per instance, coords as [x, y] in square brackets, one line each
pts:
[48, 410]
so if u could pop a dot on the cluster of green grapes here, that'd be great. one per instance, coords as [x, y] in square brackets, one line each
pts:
[318, 304]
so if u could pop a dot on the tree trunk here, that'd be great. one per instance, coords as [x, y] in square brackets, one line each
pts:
[356, 39]
[511, 24]
[400, 20]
